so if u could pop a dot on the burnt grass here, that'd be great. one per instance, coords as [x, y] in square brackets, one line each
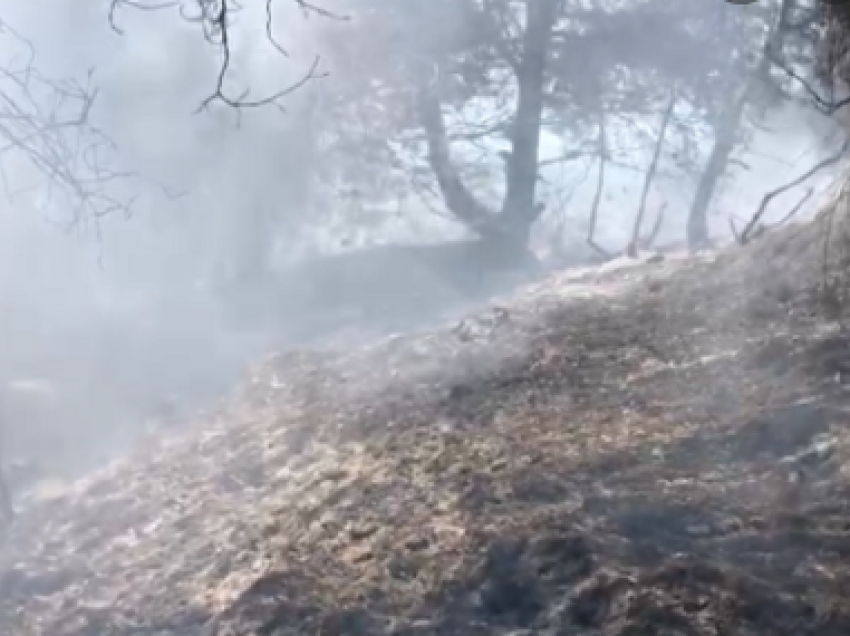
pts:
[656, 450]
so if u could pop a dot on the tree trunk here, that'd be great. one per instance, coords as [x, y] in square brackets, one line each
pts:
[634, 244]
[459, 200]
[725, 138]
[510, 229]
[519, 209]
[724, 144]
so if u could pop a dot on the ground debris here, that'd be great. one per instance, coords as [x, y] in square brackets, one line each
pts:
[652, 450]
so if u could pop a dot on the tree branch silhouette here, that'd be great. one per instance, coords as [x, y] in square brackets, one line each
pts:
[215, 18]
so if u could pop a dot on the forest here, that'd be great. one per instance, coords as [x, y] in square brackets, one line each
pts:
[407, 318]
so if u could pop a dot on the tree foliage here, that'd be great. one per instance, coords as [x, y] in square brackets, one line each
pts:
[442, 99]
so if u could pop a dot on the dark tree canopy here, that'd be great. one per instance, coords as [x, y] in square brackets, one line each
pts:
[833, 61]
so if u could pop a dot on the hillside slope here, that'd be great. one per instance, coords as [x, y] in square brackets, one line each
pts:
[652, 450]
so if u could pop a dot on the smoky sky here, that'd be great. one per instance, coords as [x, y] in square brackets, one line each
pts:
[203, 181]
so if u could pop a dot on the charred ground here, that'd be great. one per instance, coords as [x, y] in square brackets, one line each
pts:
[652, 450]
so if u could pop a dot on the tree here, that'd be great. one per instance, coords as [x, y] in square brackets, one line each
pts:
[411, 80]
[46, 132]
[757, 42]
[742, 79]
[519, 210]
[557, 72]
[216, 20]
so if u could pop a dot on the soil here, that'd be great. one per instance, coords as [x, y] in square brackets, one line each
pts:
[648, 450]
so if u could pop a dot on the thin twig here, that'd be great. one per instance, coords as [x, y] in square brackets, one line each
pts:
[826, 106]
[793, 211]
[632, 248]
[745, 235]
[215, 18]
[47, 122]
[242, 102]
[139, 6]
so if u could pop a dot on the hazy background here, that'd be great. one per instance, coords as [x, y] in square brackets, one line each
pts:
[123, 313]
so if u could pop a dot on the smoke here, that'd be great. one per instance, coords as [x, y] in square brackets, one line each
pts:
[127, 309]
[121, 309]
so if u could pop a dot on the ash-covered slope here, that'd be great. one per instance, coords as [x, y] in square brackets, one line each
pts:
[653, 450]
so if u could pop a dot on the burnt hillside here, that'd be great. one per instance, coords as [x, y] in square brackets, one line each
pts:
[660, 449]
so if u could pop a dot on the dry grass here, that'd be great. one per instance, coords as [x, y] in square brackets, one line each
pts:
[654, 450]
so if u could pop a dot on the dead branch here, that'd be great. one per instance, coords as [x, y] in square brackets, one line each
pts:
[242, 101]
[632, 249]
[215, 19]
[796, 208]
[762, 228]
[47, 122]
[114, 5]
[827, 106]
[215, 15]
[745, 236]
[734, 230]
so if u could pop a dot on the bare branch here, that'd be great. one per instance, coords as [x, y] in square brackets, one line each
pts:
[793, 211]
[47, 122]
[270, 29]
[242, 102]
[310, 8]
[632, 248]
[746, 235]
[824, 105]
[139, 6]
[215, 18]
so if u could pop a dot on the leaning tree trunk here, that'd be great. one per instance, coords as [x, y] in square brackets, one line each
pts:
[458, 199]
[724, 144]
[726, 136]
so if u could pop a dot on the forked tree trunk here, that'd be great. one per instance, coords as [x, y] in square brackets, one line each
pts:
[510, 228]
